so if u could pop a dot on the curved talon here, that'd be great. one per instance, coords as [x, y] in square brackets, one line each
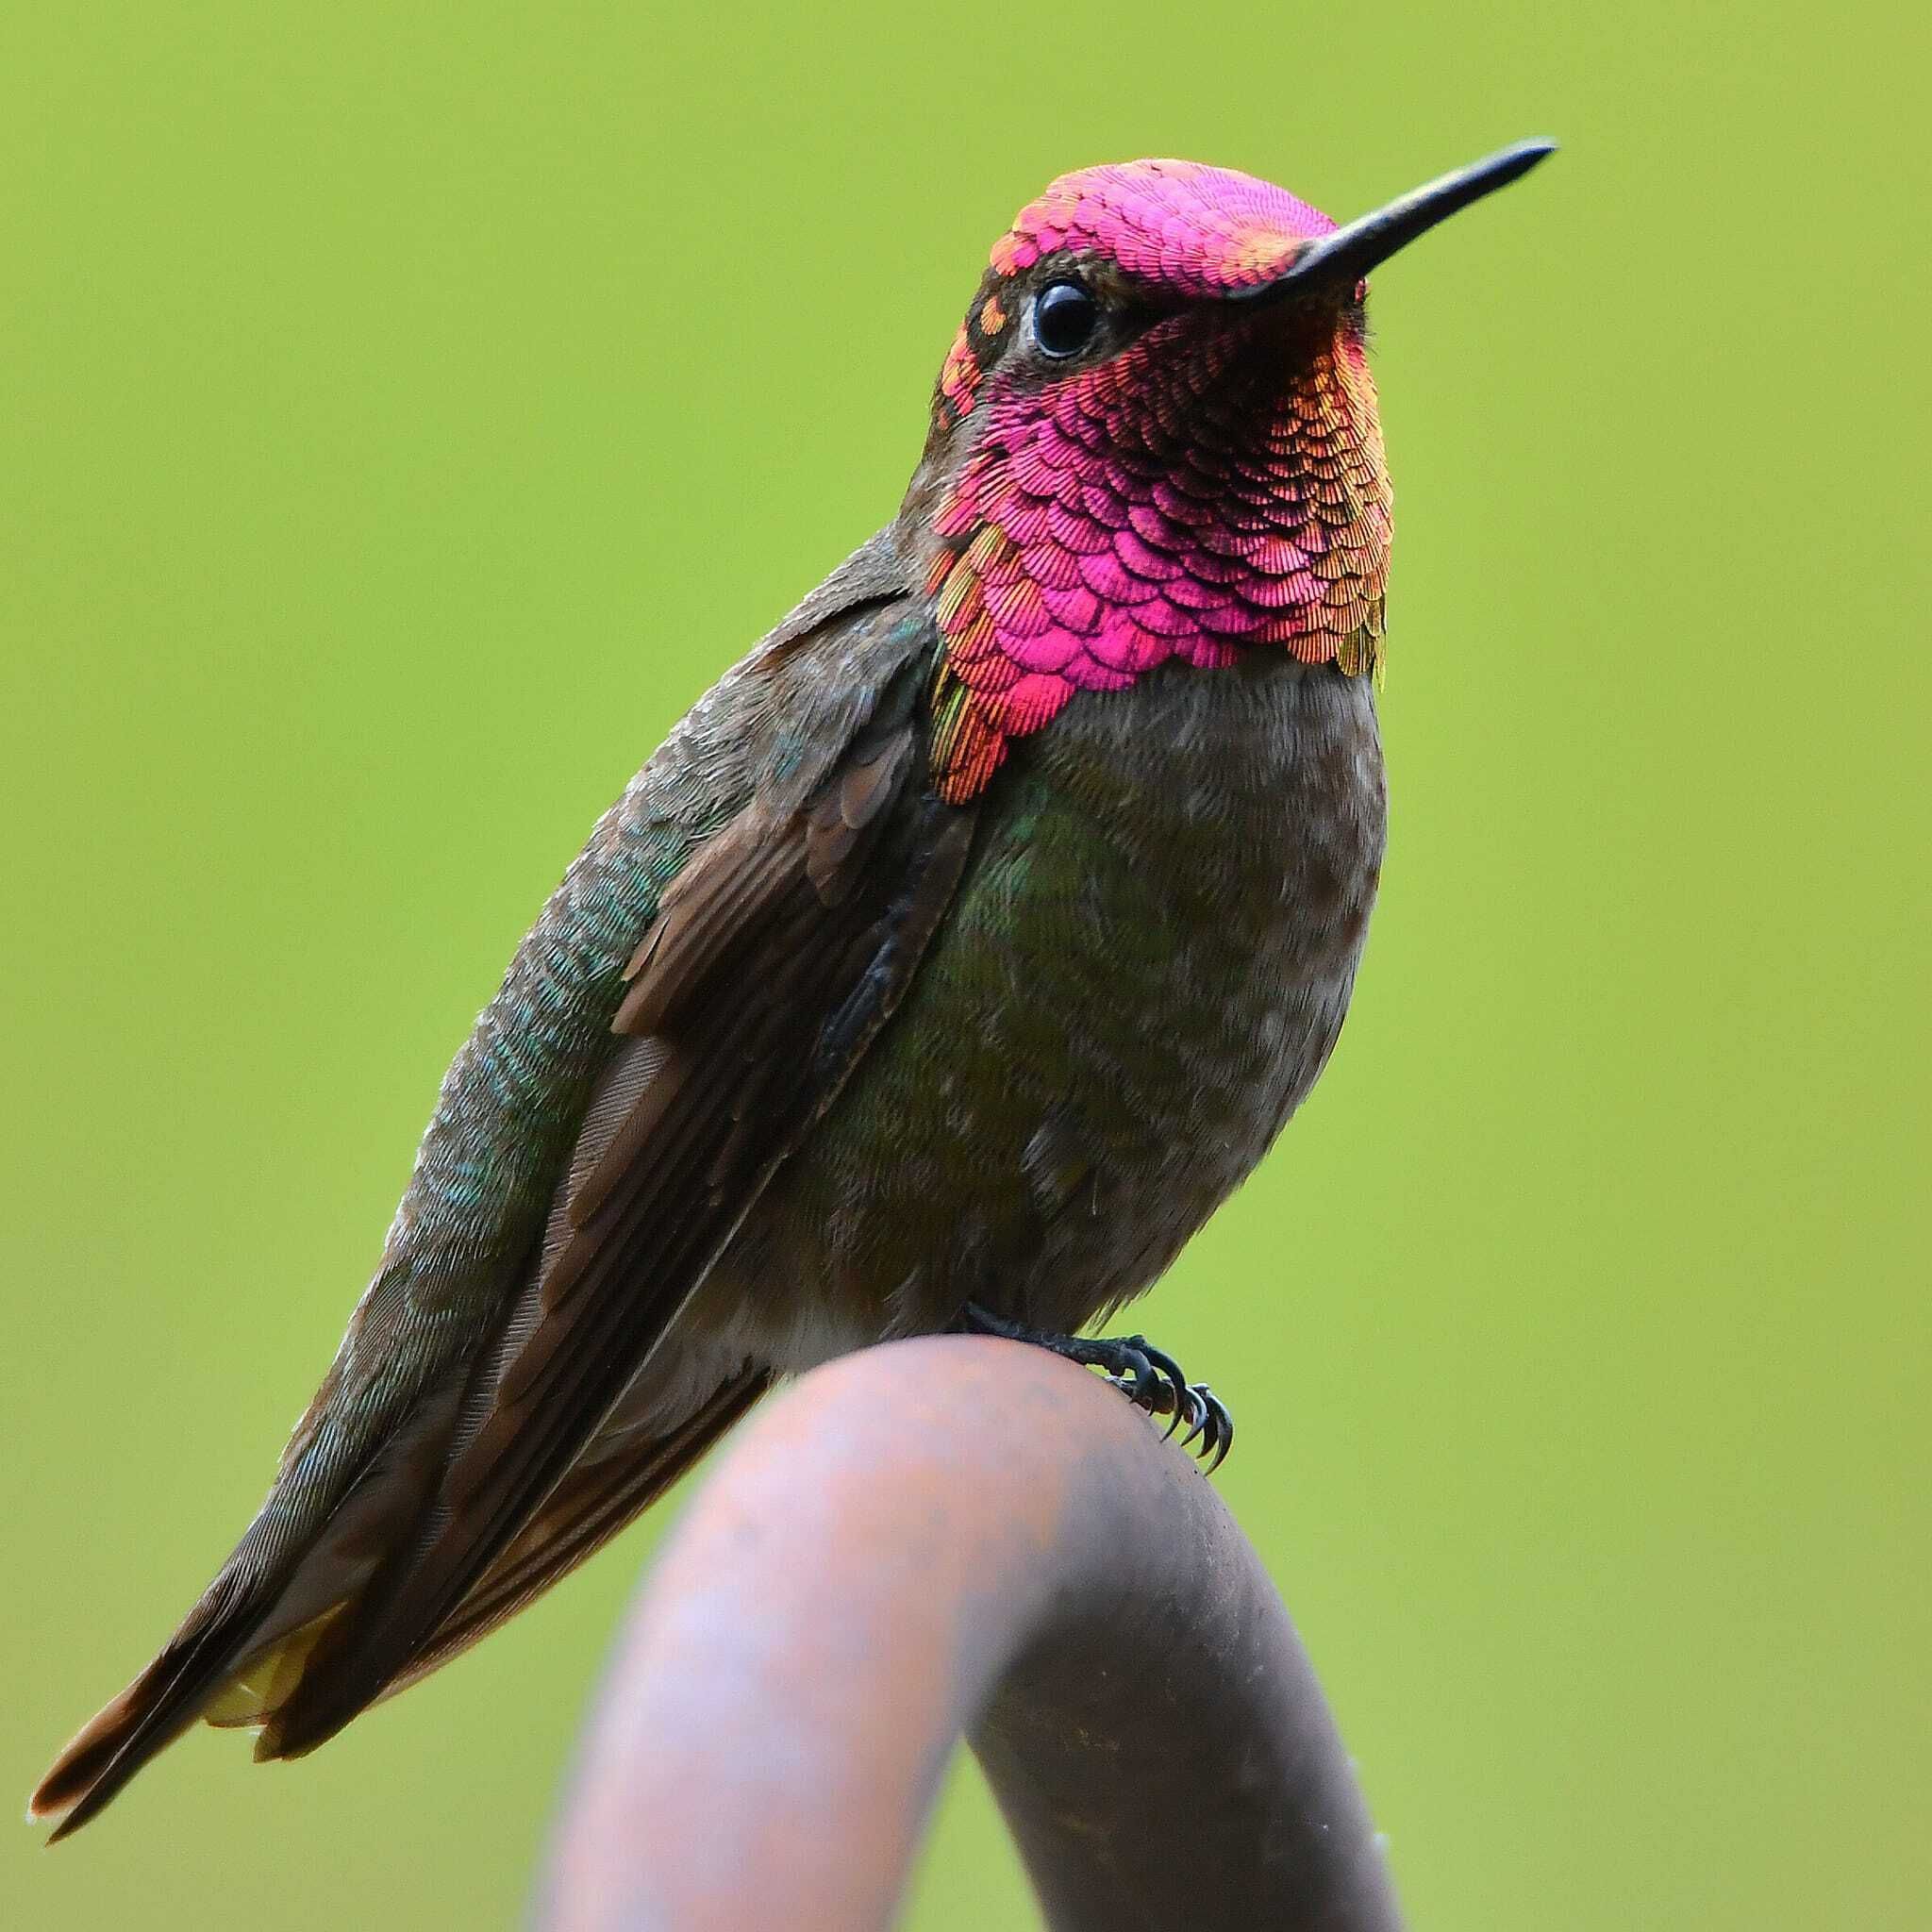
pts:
[1213, 1426]
[1193, 1419]
[1222, 1428]
[1134, 1349]
[1163, 1364]
[1200, 1418]
[1149, 1377]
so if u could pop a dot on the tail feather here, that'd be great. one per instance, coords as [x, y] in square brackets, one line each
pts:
[586, 1513]
[241, 1655]
[599, 1498]
[149, 1715]
[294, 1570]
[262, 1682]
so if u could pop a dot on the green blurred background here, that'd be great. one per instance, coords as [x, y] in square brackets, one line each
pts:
[408, 409]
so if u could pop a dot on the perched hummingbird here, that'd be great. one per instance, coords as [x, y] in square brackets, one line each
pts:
[949, 963]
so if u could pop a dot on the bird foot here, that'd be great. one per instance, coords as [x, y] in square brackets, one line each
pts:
[1149, 1377]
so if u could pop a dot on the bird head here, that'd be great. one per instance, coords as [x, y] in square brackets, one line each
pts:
[1156, 435]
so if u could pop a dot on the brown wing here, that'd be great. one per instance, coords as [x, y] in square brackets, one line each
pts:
[580, 1515]
[601, 1494]
[777, 955]
[806, 741]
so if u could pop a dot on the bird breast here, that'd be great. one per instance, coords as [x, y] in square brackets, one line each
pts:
[1147, 966]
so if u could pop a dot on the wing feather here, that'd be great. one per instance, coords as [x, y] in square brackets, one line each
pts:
[784, 862]
[779, 953]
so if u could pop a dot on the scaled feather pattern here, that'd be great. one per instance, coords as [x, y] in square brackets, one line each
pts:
[1088, 539]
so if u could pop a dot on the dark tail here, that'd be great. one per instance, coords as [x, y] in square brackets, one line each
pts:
[217, 1665]
[151, 1713]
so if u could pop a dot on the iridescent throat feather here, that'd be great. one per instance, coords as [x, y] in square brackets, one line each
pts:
[1217, 483]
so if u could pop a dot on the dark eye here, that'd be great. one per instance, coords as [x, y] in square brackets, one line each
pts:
[1065, 317]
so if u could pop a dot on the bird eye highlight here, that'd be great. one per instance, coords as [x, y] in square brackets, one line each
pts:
[1065, 318]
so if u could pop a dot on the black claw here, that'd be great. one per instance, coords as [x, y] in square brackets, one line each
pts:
[1149, 1377]
[1175, 1383]
[1213, 1426]
[1187, 1410]
[1222, 1428]
[1196, 1417]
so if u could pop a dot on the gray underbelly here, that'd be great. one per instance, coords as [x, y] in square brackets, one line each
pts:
[1146, 968]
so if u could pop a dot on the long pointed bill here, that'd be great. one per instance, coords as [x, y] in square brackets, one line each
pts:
[1341, 260]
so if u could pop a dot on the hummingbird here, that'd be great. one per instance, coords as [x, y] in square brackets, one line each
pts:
[948, 964]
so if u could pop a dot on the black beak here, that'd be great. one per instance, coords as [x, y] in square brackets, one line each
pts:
[1340, 261]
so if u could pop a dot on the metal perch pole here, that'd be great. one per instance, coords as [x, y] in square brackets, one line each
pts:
[946, 1538]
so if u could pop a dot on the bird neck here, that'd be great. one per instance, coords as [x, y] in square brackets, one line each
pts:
[1178, 501]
